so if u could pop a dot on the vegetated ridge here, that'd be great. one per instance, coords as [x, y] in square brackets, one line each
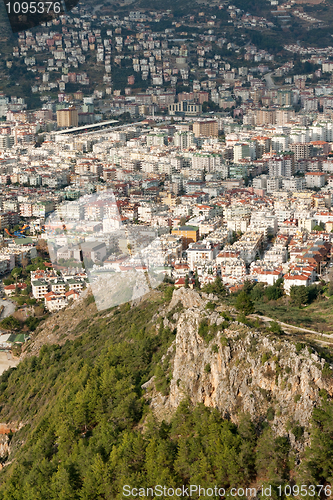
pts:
[170, 391]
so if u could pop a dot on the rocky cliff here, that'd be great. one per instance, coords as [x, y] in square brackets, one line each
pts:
[227, 365]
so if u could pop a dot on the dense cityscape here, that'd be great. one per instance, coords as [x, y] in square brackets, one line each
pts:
[166, 232]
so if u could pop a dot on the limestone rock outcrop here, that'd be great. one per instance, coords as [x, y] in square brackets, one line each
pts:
[237, 369]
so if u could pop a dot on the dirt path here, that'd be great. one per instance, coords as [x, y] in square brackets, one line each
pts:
[287, 325]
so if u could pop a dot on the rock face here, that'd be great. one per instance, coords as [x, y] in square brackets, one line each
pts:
[5, 431]
[237, 369]
[4, 448]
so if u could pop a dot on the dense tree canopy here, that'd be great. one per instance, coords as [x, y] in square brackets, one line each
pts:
[88, 429]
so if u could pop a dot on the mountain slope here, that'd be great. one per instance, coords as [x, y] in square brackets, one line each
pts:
[82, 426]
[232, 367]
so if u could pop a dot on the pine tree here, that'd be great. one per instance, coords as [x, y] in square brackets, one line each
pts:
[244, 303]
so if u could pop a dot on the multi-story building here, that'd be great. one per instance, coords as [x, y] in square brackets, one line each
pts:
[238, 224]
[206, 161]
[293, 183]
[284, 116]
[39, 289]
[301, 150]
[58, 286]
[185, 108]
[249, 246]
[284, 97]
[244, 150]
[69, 211]
[274, 184]
[281, 166]
[315, 179]
[265, 222]
[183, 140]
[200, 253]
[3, 220]
[205, 128]
[67, 117]
[6, 141]
[265, 116]
[54, 302]
[189, 234]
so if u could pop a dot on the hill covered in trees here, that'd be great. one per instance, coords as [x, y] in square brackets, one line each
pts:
[117, 404]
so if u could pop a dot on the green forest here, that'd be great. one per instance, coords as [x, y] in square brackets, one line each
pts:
[87, 429]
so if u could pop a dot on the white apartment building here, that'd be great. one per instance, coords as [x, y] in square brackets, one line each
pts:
[206, 161]
[200, 253]
[74, 284]
[146, 212]
[299, 135]
[156, 139]
[3, 105]
[265, 272]
[315, 179]
[278, 254]
[293, 184]
[249, 245]
[295, 280]
[280, 143]
[260, 182]
[183, 140]
[232, 266]
[54, 302]
[281, 166]
[307, 224]
[327, 66]
[238, 223]
[58, 286]
[323, 217]
[244, 150]
[283, 215]
[328, 165]
[274, 184]
[264, 222]
[39, 289]
[70, 211]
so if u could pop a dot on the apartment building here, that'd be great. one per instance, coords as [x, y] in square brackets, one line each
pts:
[200, 253]
[232, 266]
[281, 166]
[249, 246]
[293, 183]
[58, 286]
[315, 179]
[205, 128]
[4, 222]
[6, 141]
[183, 140]
[206, 161]
[67, 117]
[189, 234]
[301, 150]
[265, 222]
[54, 302]
[39, 289]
